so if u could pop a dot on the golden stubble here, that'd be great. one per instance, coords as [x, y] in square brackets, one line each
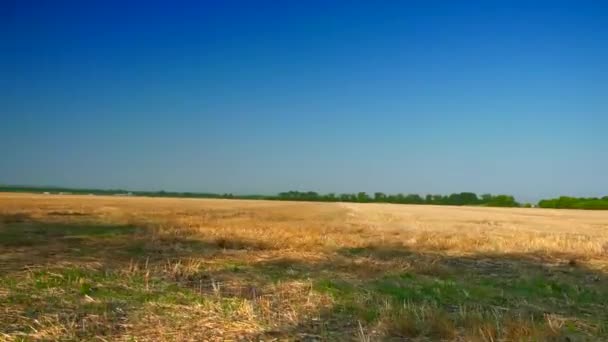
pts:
[183, 238]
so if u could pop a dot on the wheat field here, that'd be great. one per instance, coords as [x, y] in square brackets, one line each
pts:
[156, 269]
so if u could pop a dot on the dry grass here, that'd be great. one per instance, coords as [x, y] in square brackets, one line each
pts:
[111, 268]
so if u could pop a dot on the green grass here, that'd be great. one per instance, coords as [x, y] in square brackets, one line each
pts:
[32, 234]
[89, 294]
[134, 274]
[412, 304]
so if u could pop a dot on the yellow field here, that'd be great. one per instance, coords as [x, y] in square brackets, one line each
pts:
[130, 268]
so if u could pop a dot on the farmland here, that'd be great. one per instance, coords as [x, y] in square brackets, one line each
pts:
[148, 269]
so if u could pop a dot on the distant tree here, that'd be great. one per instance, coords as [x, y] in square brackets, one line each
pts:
[362, 197]
[413, 199]
[548, 203]
[348, 198]
[379, 197]
[503, 201]
[399, 198]
[486, 198]
[454, 199]
[311, 196]
[565, 202]
[439, 199]
[469, 198]
[331, 197]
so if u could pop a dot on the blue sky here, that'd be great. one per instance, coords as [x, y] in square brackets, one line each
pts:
[333, 96]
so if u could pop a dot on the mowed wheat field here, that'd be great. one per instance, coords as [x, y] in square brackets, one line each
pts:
[151, 269]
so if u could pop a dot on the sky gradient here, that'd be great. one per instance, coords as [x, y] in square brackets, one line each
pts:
[261, 97]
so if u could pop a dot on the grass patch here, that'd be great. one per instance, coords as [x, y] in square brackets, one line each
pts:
[32, 234]
[91, 296]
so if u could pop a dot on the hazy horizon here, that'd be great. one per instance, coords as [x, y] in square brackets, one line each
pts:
[533, 199]
[242, 97]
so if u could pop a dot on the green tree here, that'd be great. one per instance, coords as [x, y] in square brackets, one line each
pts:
[379, 197]
[362, 197]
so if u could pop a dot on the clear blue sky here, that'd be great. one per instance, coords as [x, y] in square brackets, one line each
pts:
[260, 97]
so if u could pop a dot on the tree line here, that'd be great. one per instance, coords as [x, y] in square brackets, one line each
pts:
[565, 202]
[462, 198]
